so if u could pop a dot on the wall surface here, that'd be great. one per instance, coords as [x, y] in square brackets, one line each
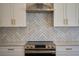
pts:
[39, 28]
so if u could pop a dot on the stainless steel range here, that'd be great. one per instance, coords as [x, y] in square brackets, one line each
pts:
[40, 48]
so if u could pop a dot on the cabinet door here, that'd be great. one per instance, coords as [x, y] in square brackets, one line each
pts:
[5, 15]
[77, 14]
[19, 14]
[66, 14]
[12, 51]
[67, 53]
[0, 15]
[71, 14]
[58, 14]
[67, 50]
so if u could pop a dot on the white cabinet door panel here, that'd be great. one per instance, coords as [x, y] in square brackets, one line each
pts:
[71, 14]
[67, 48]
[58, 14]
[12, 15]
[77, 14]
[19, 14]
[67, 53]
[66, 14]
[11, 51]
[5, 15]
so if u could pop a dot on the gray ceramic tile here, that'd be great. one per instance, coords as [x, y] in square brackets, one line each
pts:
[39, 28]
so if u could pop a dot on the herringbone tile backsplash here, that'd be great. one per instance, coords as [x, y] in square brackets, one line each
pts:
[39, 28]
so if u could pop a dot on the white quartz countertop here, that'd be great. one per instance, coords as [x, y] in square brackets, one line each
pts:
[66, 42]
[56, 42]
[12, 43]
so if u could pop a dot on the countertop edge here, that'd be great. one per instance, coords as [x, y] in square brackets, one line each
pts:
[69, 43]
[58, 43]
[12, 43]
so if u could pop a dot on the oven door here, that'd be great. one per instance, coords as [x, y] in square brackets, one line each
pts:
[40, 53]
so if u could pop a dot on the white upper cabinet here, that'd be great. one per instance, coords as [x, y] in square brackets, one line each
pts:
[12, 15]
[19, 14]
[77, 13]
[5, 15]
[71, 14]
[65, 14]
[58, 14]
